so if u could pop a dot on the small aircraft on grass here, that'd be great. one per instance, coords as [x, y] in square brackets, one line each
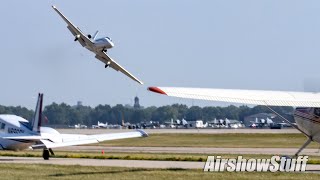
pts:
[17, 133]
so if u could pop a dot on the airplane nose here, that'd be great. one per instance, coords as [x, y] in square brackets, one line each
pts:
[111, 44]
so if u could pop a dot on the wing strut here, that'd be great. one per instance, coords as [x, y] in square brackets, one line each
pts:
[295, 126]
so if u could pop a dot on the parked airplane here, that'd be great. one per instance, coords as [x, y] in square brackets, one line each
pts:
[102, 125]
[17, 133]
[306, 115]
[99, 46]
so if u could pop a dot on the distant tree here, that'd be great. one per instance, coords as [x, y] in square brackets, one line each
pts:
[194, 113]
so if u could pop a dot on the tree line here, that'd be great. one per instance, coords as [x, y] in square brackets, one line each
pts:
[63, 114]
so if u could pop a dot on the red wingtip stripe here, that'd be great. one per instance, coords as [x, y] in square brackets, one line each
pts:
[156, 90]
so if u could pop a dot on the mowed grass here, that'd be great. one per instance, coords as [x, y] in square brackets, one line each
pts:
[293, 140]
[43, 171]
[142, 156]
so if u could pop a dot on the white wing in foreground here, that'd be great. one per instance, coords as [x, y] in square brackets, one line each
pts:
[114, 65]
[255, 97]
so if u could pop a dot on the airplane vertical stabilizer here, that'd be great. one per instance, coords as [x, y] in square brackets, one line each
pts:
[95, 35]
[36, 121]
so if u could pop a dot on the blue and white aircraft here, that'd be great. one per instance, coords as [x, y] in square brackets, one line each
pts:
[99, 46]
[17, 133]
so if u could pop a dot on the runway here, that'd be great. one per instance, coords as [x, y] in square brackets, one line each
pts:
[192, 150]
[118, 163]
[105, 162]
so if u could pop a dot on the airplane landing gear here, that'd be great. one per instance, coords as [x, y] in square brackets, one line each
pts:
[107, 64]
[76, 37]
[303, 146]
[295, 126]
[45, 154]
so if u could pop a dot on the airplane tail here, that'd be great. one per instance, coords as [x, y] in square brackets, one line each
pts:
[95, 35]
[36, 121]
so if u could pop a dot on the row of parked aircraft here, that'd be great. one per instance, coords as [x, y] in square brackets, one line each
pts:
[17, 133]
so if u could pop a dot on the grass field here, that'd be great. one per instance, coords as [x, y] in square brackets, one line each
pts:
[216, 140]
[36, 171]
[141, 156]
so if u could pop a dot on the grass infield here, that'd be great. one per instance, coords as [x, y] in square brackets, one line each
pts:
[293, 140]
[43, 171]
[142, 156]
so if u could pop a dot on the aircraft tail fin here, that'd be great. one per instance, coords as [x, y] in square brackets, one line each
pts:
[95, 35]
[36, 121]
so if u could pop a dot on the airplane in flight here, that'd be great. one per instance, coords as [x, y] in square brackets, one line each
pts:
[306, 115]
[17, 133]
[99, 46]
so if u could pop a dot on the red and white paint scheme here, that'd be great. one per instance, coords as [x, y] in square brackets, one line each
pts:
[306, 115]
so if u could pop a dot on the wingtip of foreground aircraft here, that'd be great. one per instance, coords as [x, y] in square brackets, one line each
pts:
[157, 90]
[54, 7]
[143, 133]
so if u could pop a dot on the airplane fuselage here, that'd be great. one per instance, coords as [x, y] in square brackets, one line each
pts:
[308, 120]
[101, 44]
[12, 126]
[15, 126]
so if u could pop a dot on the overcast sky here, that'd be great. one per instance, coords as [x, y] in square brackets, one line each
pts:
[270, 44]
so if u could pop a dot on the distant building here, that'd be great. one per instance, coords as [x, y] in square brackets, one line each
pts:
[136, 103]
[79, 103]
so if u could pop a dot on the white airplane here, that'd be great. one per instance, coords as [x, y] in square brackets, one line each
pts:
[99, 46]
[17, 133]
[306, 115]
[102, 125]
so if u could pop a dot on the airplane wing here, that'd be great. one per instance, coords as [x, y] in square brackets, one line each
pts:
[73, 139]
[255, 97]
[83, 39]
[114, 65]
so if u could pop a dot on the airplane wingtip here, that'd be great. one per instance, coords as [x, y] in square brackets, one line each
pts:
[157, 90]
[54, 7]
[143, 133]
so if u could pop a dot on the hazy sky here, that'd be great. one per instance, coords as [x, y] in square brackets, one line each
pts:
[269, 44]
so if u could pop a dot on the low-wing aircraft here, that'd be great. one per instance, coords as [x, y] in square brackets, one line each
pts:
[306, 115]
[99, 46]
[17, 133]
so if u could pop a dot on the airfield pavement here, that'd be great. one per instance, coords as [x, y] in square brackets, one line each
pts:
[192, 150]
